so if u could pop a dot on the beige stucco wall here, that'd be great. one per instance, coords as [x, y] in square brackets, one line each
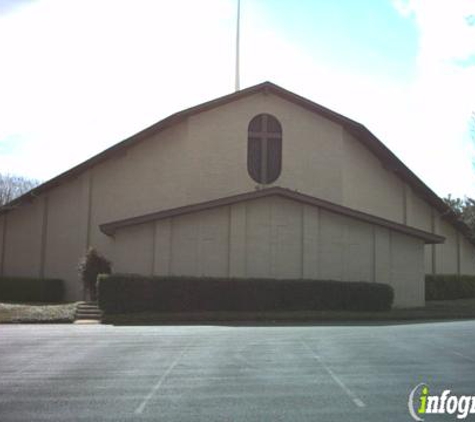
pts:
[66, 234]
[446, 257]
[345, 249]
[134, 249]
[403, 256]
[200, 244]
[204, 158]
[407, 269]
[370, 187]
[367, 185]
[273, 239]
[419, 213]
[274, 244]
[47, 236]
[23, 239]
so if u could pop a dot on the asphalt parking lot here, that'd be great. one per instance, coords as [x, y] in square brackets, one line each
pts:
[230, 373]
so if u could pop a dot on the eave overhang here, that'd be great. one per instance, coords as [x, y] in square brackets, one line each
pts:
[110, 228]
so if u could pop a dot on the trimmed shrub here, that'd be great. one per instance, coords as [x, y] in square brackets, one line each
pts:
[124, 293]
[21, 289]
[90, 267]
[449, 286]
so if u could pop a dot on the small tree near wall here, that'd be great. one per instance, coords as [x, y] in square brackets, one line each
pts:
[90, 266]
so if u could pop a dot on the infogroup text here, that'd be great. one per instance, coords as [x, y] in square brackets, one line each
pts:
[422, 403]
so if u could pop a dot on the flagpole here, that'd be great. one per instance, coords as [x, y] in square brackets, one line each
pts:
[237, 44]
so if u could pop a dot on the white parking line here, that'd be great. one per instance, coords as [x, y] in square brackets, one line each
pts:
[463, 356]
[454, 352]
[159, 383]
[354, 398]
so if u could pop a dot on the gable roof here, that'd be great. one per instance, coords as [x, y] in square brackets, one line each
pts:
[110, 228]
[359, 131]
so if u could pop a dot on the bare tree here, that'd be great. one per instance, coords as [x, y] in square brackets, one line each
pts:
[12, 186]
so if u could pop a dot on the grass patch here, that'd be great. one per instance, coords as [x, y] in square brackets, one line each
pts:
[37, 313]
[434, 310]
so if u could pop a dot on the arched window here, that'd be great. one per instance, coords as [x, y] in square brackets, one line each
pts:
[264, 148]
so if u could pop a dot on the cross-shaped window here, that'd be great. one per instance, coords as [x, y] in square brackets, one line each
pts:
[264, 148]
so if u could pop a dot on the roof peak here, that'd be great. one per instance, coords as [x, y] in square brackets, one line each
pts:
[359, 131]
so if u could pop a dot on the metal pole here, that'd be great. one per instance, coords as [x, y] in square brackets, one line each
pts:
[237, 44]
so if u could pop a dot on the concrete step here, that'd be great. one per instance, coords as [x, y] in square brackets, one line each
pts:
[87, 304]
[82, 308]
[88, 311]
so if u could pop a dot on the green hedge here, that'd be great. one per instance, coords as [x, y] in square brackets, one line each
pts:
[124, 293]
[20, 289]
[449, 286]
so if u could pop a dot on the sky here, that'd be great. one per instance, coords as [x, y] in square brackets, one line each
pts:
[77, 76]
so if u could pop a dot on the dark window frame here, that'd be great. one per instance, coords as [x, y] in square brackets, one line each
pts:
[264, 148]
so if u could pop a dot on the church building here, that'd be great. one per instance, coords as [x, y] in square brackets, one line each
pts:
[260, 183]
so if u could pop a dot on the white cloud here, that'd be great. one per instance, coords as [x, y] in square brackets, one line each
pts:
[78, 76]
[425, 121]
[404, 7]
[442, 96]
